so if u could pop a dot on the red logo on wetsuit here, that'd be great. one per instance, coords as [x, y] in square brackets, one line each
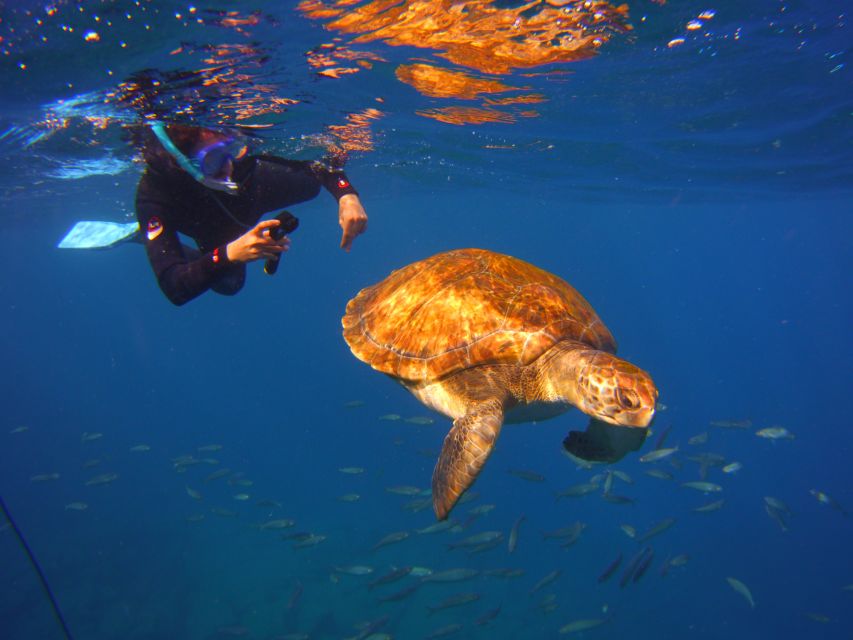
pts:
[216, 254]
[155, 227]
[342, 183]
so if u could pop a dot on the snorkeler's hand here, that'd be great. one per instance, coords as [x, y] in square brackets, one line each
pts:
[352, 218]
[257, 244]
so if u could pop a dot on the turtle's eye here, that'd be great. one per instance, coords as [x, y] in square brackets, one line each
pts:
[627, 398]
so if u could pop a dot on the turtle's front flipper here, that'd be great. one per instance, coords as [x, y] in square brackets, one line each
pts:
[465, 451]
[604, 442]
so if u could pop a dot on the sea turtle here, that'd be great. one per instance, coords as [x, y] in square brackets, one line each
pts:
[486, 338]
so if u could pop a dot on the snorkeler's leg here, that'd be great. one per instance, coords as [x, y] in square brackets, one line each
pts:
[231, 281]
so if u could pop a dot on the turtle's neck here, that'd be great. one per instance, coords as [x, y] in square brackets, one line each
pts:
[554, 376]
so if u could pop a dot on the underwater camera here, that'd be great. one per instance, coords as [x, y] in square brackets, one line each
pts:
[289, 223]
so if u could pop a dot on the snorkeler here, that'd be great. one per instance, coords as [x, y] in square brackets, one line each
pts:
[202, 183]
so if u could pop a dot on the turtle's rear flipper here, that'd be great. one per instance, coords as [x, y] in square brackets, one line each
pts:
[604, 442]
[466, 448]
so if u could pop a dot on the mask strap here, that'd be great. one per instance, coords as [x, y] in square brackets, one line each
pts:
[159, 131]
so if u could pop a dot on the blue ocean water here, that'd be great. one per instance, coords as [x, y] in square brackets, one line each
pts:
[698, 195]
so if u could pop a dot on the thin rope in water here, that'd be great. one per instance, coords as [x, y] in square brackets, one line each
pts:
[34, 562]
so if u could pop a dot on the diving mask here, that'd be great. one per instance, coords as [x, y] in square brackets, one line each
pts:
[208, 166]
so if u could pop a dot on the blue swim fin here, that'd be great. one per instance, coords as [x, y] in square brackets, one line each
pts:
[92, 234]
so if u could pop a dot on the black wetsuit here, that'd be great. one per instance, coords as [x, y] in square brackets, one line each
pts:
[169, 201]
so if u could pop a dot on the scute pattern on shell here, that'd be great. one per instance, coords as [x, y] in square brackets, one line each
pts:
[465, 308]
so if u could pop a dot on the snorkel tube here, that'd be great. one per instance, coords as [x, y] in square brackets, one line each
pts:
[227, 186]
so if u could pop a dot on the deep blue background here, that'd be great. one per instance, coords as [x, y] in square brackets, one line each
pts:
[698, 198]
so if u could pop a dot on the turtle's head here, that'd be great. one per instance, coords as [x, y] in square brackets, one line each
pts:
[613, 390]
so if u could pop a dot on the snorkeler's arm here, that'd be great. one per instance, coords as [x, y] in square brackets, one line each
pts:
[352, 218]
[351, 215]
[179, 277]
[270, 183]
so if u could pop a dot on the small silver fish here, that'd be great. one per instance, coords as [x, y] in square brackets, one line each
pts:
[442, 525]
[732, 424]
[610, 569]
[450, 575]
[578, 490]
[826, 499]
[391, 538]
[404, 490]
[565, 532]
[418, 504]
[679, 560]
[581, 625]
[310, 541]
[513, 535]
[673, 562]
[548, 579]
[491, 614]
[277, 524]
[777, 516]
[658, 454]
[504, 573]
[443, 632]
[530, 476]
[742, 589]
[711, 506]
[704, 487]
[104, 478]
[817, 617]
[44, 477]
[219, 473]
[477, 539]
[657, 529]
[392, 576]
[702, 438]
[775, 433]
[660, 474]
[405, 592]
[454, 601]
[608, 482]
[354, 569]
[777, 504]
[482, 510]
[624, 477]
